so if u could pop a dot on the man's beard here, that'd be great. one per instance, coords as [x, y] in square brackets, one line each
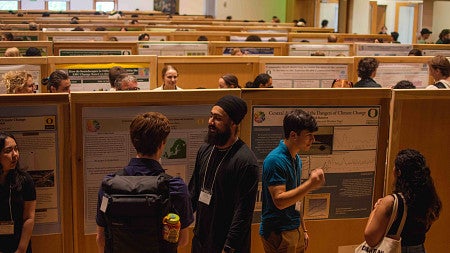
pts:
[218, 138]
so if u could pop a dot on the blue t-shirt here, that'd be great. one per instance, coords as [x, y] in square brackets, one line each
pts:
[279, 168]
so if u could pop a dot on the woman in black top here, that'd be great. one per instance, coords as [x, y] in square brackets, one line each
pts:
[413, 180]
[17, 199]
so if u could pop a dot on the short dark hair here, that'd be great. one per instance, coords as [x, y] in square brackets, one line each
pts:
[415, 52]
[297, 121]
[253, 38]
[395, 35]
[404, 84]
[366, 66]
[33, 51]
[148, 131]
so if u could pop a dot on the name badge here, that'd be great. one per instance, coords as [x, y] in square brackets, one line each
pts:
[298, 206]
[6, 227]
[205, 197]
[104, 204]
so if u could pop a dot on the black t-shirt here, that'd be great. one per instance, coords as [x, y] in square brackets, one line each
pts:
[25, 192]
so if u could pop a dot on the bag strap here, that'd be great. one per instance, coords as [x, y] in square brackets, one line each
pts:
[393, 214]
[404, 214]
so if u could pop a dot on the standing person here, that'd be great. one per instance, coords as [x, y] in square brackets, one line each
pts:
[224, 183]
[148, 134]
[57, 82]
[413, 180]
[228, 81]
[170, 78]
[126, 82]
[439, 68]
[282, 227]
[17, 199]
[262, 80]
[367, 70]
[18, 82]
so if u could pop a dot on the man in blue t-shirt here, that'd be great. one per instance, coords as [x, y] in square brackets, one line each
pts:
[148, 134]
[282, 228]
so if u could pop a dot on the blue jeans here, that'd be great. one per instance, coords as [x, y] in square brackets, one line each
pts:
[413, 249]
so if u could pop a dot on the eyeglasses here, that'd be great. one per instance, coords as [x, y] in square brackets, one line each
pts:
[133, 88]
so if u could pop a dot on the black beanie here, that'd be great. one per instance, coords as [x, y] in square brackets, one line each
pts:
[235, 107]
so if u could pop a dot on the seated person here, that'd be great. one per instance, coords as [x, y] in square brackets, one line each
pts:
[263, 80]
[404, 84]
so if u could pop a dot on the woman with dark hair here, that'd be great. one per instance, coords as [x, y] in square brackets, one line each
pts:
[17, 199]
[57, 82]
[228, 81]
[413, 180]
[367, 69]
[262, 80]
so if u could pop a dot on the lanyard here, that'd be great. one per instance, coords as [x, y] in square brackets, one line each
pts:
[218, 166]
[10, 206]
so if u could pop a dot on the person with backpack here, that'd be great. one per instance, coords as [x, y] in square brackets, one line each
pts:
[133, 202]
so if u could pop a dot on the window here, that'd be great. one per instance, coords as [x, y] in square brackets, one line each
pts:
[9, 5]
[55, 5]
[105, 5]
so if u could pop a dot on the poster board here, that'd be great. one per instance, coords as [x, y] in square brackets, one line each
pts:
[265, 36]
[94, 48]
[88, 76]
[307, 36]
[173, 48]
[193, 35]
[433, 49]
[205, 71]
[264, 132]
[74, 36]
[392, 69]
[113, 112]
[428, 110]
[40, 124]
[330, 49]
[36, 66]
[44, 46]
[306, 72]
[248, 48]
[382, 49]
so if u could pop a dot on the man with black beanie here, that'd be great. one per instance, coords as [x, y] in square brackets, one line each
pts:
[224, 184]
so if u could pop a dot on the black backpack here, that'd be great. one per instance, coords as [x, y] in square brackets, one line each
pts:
[134, 214]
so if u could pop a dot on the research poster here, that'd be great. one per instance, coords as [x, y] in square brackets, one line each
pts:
[34, 70]
[35, 131]
[305, 75]
[434, 52]
[94, 52]
[389, 74]
[107, 147]
[173, 48]
[345, 147]
[382, 49]
[327, 49]
[95, 76]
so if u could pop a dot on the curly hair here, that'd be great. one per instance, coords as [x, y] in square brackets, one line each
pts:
[415, 183]
[366, 67]
[15, 80]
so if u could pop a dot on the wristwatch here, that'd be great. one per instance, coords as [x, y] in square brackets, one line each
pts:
[228, 249]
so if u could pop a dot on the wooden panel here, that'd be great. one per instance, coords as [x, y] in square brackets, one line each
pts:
[217, 48]
[419, 120]
[204, 71]
[326, 235]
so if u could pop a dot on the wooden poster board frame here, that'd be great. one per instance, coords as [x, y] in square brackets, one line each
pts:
[334, 232]
[58, 242]
[420, 120]
[79, 100]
